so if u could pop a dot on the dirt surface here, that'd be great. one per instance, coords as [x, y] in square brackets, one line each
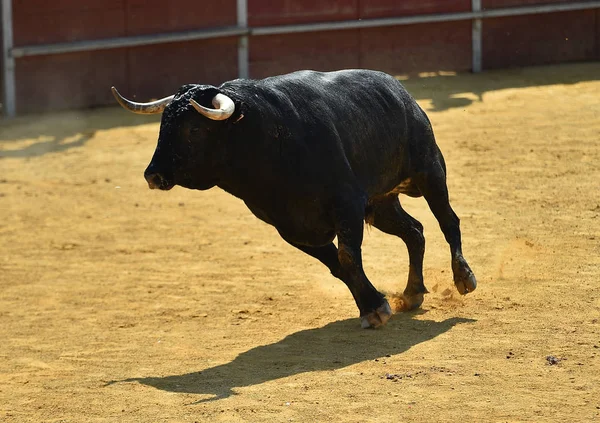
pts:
[118, 303]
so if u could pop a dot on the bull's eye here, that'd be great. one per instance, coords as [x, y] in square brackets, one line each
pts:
[195, 130]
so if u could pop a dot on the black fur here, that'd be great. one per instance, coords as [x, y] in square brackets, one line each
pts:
[315, 154]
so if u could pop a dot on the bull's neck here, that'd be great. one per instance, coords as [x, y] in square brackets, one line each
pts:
[247, 172]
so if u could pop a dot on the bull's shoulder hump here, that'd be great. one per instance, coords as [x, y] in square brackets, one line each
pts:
[317, 78]
[340, 77]
[347, 86]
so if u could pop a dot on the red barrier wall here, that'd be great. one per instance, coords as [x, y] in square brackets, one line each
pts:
[401, 49]
[329, 50]
[1, 66]
[540, 39]
[157, 16]
[83, 79]
[267, 12]
[417, 48]
[44, 22]
[497, 4]
[372, 9]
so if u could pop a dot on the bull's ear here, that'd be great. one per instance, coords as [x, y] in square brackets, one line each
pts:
[184, 89]
[240, 111]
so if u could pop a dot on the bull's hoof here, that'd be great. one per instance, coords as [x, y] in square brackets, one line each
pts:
[465, 282]
[376, 318]
[409, 302]
[464, 279]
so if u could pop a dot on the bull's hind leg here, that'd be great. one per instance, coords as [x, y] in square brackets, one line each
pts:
[432, 183]
[387, 215]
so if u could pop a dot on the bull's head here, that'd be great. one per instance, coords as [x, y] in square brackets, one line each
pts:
[191, 133]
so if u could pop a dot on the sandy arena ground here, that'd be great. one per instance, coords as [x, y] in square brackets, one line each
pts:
[121, 304]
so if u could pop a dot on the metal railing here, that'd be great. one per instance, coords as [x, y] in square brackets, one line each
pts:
[243, 32]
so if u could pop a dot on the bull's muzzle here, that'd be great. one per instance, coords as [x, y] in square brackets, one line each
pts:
[156, 180]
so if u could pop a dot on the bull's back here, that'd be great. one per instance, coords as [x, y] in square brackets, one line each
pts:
[369, 113]
[359, 120]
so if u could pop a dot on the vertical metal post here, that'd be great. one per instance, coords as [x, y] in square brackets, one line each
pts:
[8, 61]
[476, 38]
[243, 56]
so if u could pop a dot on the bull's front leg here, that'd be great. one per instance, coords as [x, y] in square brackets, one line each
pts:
[371, 303]
[374, 308]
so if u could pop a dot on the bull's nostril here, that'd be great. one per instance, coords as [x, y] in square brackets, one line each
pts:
[154, 180]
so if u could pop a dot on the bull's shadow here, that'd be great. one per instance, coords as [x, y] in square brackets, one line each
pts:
[333, 346]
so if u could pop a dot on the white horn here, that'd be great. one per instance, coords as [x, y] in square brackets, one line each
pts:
[151, 108]
[224, 107]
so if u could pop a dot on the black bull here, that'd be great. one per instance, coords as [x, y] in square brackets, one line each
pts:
[315, 155]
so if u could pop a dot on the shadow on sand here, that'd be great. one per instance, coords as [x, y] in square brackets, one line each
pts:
[55, 145]
[447, 90]
[62, 131]
[333, 346]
